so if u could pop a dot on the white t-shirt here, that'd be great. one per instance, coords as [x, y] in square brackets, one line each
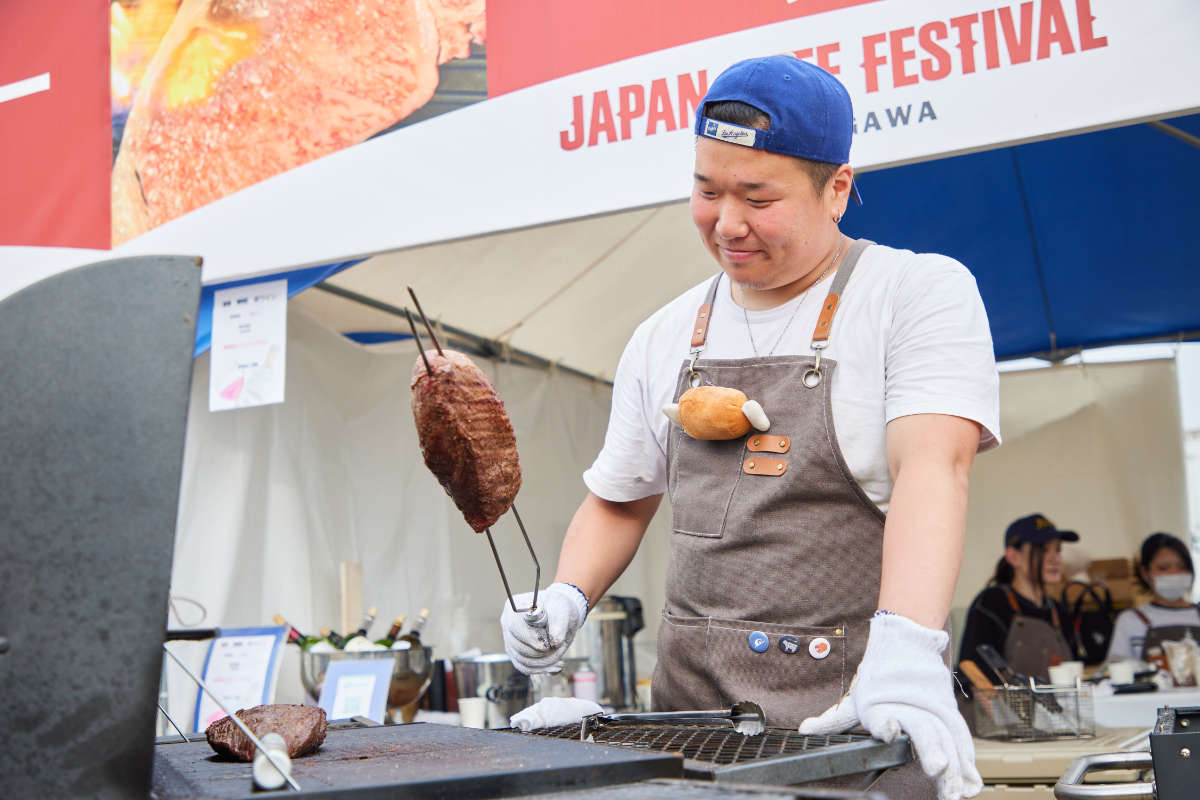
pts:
[1129, 632]
[910, 337]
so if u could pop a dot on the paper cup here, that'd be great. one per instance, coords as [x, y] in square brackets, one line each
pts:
[1076, 668]
[1121, 672]
[473, 711]
[1062, 675]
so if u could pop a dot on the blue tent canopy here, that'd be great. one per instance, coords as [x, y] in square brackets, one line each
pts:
[1075, 242]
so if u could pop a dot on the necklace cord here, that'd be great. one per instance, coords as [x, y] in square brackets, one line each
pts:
[795, 312]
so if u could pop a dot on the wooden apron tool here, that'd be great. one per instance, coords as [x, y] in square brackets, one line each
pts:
[776, 551]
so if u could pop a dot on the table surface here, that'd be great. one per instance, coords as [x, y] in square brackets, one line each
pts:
[1141, 710]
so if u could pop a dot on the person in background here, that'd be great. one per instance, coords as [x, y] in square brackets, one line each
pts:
[1165, 569]
[1014, 614]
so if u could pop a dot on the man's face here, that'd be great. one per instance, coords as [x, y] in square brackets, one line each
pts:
[758, 214]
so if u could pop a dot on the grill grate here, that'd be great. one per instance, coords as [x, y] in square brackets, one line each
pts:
[704, 742]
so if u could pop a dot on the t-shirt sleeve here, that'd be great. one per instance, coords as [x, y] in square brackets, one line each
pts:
[632, 464]
[940, 358]
[985, 624]
[1127, 627]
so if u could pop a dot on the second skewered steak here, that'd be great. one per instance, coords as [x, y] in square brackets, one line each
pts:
[302, 727]
[466, 437]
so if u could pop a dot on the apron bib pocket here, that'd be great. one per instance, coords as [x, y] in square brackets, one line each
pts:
[704, 466]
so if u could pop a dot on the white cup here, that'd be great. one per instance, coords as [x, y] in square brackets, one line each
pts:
[473, 711]
[1062, 675]
[1121, 672]
[1076, 669]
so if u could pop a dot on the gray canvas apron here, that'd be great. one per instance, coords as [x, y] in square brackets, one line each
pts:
[775, 555]
[1155, 636]
[1031, 642]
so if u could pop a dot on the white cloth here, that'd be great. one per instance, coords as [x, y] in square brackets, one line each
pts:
[902, 685]
[1129, 632]
[551, 711]
[536, 649]
[910, 337]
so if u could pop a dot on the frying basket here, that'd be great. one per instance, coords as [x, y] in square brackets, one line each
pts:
[1032, 713]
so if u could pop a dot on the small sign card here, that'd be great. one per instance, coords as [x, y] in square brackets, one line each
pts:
[357, 688]
[249, 346]
[241, 667]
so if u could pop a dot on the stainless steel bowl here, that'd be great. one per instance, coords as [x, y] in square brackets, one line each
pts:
[412, 670]
[493, 676]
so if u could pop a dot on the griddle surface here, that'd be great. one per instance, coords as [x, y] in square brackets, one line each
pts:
[419, 760]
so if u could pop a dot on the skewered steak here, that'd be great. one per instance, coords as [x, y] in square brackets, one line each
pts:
[466, 437]
[302, 727]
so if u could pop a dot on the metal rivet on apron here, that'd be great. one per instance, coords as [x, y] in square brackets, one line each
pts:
[819, 647]
[837, 631]
[783, 442]
[759, 642]
[779, 466]
[754, 443]
[750, 464]
[789, 644]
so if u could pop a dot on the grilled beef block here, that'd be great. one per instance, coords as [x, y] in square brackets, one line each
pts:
[302, 727]
[466, 437]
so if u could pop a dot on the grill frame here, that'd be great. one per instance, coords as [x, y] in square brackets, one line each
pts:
[780, 756]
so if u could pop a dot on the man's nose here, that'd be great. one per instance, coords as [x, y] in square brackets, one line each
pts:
[731, 222]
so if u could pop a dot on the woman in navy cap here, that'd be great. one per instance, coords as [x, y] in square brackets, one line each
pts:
[813, 557]
[1014, 614]
[1164, 569]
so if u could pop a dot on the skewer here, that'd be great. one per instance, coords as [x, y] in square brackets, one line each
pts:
[417, 339]
[270, 756]
[424, 319]
[173, 725]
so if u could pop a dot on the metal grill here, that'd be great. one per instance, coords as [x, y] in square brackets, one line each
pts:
[705, 743]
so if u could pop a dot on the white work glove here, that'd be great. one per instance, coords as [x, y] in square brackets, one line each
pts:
[902, 685]
[534, 649]
[550, 712]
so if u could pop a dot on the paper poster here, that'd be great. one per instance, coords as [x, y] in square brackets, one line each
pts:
[357, 688]
[249, 346]
[241, 668]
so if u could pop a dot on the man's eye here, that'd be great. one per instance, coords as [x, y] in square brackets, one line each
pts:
[759, 202]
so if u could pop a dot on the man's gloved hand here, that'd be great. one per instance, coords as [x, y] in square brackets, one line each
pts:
[535, 649]
[903, 685]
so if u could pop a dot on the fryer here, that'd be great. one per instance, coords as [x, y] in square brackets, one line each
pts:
[718, 753]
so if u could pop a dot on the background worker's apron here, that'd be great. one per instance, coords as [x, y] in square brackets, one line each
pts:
[1155, 636]
[1032, 643]
[776, 551]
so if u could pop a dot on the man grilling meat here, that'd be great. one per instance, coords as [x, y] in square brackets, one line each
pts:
[811, 564]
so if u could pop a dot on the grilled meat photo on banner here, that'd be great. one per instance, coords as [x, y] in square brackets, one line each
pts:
[240, 90]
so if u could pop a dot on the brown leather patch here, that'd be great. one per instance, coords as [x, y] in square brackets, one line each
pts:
[759, 465]
[768, 443]
[700, 330]
[825, 321]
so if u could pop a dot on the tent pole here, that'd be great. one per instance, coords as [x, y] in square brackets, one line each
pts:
[487, 348]
[1171, 130]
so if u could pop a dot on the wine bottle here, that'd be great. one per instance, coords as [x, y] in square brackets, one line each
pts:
[294, 636]
[333, 638]
[393, 632]
[413, 637]
[361, 633]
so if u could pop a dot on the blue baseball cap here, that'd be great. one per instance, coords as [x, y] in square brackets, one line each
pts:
[810, 111]
[1035, 529]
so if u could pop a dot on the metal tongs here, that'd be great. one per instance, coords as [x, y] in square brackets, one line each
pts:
[535, 617]
[745, 717]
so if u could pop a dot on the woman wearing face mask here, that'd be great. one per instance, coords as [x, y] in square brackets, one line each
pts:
[1013, 613]
[1164, 568]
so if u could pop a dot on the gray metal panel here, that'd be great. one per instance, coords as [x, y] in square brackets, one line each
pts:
[95, 366]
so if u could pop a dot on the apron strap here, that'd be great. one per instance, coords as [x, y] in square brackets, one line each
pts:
[1054, 619]
[1145, 620]
[704, 315]
[825, 321]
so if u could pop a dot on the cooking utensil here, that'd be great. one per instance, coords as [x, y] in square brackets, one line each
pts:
[493, 678]
[986, 698]
[534, 616]
[780, 756]
[747, 718]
